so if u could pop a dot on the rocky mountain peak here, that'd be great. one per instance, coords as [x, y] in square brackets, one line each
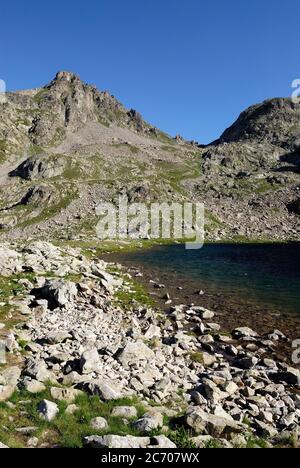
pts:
[66, 76]
[274, 121]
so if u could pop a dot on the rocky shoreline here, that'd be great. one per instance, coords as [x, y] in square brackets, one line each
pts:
[230, 311]
[77, 333]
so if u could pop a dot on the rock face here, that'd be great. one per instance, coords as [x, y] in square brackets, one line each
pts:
[37, 195]
[275, 121]
[39, 167]
[295, 206]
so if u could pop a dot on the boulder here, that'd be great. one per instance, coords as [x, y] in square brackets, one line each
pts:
[105, 389]
[134, 352]
[90, 361]
[57, 337]
[118, 442]
[246, 363]
[204, 423]
[37, 370]
[204, 314]
[39, 167]
[58, 293]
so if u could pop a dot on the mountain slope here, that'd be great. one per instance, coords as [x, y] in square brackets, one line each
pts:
[67, 146]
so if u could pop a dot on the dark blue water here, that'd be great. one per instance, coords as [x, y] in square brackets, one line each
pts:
[264, 274]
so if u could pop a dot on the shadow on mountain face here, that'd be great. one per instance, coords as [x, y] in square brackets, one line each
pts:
[290, 158]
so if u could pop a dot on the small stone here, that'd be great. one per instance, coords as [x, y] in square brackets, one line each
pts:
[65, 394]
[126, 412]
[246, 362]
[48, 410]
[150, 421]
[99, 424]
[244, 332]
[33, 442]
[33, 386]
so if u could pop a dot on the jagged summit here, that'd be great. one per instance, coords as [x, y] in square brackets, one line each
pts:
[66, 76]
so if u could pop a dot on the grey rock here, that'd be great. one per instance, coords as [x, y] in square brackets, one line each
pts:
[161, 442]
[33, 386]
[125, 412]
[105, 389]
[244, 332]
[99, 424]
[90, 361]
[58, 293]
[65, 394]
[119, 442]
[57, 336]
[134, 352]
[48, 410]
[149, 422]
[202, 422]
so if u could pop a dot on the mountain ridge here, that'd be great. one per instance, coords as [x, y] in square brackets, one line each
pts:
[66, 146]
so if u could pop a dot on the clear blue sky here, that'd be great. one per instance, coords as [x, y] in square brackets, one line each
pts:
[189, 67]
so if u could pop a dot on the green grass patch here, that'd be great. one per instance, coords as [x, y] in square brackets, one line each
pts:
[197, 357]
[65, 430]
